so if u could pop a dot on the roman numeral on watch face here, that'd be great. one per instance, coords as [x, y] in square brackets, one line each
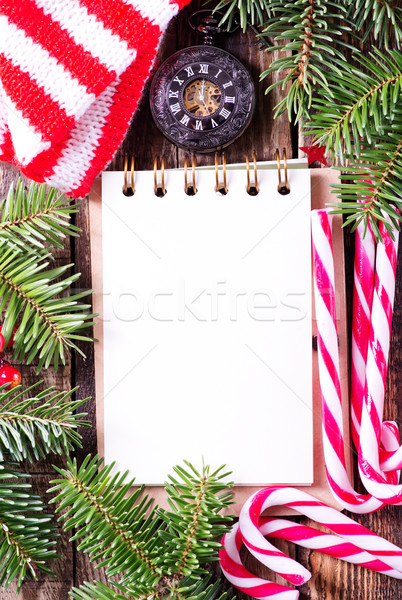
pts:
[199, 100]
[175, 108]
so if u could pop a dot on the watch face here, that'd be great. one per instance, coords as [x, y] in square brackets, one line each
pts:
[202, 98]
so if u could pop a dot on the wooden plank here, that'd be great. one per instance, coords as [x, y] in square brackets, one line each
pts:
[332, 579]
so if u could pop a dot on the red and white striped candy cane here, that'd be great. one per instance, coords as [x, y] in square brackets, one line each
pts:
[327, 543]
[235, 572]
[308, 506]
[352, 542]
[384, 485]
[328, 363]
[363, 289]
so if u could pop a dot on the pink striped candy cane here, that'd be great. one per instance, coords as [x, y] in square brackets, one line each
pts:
[363, 288]
[305, 504]
[384, 485]
[314, 539]
[352, 542]
[235, 572]
[328, 363]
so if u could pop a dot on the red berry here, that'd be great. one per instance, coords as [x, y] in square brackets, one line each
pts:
[11, 340]
[2, 342]
[10, 375]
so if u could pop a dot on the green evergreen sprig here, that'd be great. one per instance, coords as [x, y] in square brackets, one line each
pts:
[371, 190]
[32, 295]
[190, 498]
[359, 119]
[383, 19]
[254, 12]
[27, 536]
[147, 552]
[358, 103]
[310, 36]
[30, 218]
[204, 589]
[50, 321]
[33, 427]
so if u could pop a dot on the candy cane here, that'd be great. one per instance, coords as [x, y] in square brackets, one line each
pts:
[363, 289]
[352, 542]
[328, 363]
[384, 485]
[326, 543]
[305, 504]
[235, 572]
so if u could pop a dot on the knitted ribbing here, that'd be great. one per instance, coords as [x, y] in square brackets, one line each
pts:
[72, 72]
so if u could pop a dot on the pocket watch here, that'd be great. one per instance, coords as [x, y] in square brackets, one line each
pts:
[202, 97]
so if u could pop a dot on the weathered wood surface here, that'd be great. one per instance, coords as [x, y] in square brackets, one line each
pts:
[332, 579]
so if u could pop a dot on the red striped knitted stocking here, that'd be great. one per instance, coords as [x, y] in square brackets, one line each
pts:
[71, 74]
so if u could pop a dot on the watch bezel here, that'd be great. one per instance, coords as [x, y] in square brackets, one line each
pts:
[206, 140]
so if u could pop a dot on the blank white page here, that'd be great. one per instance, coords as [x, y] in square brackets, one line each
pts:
[207, 327]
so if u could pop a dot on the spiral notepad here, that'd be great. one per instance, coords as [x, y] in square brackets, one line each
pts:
[207, 339]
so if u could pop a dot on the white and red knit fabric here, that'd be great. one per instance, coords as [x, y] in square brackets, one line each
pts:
[72, 72]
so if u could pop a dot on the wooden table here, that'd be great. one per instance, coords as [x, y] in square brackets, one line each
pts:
[331, 579]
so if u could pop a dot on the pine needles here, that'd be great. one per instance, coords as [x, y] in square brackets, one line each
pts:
[31, 294]
[33, 427]
[27, 538]
[147, 552]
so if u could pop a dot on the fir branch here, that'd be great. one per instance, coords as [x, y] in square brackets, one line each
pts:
[194, 526]
[116, 530]
[49, 322]
[27, 537]
[148, 553]
[36, 426]
[255, 12]
[314, 28]
[371, 189]
[378, 16]
[37, 216]
[97, 591]
[204, 589]
[357, 103]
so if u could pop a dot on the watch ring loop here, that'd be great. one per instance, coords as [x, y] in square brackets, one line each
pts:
[253, 188]
[128, 190]
[190, 189]
[283, 186]
[159, 188]
[222, 187]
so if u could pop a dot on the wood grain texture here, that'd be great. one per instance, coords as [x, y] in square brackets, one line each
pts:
[332, 579]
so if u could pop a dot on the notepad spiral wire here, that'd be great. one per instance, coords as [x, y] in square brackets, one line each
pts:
[221, 185]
